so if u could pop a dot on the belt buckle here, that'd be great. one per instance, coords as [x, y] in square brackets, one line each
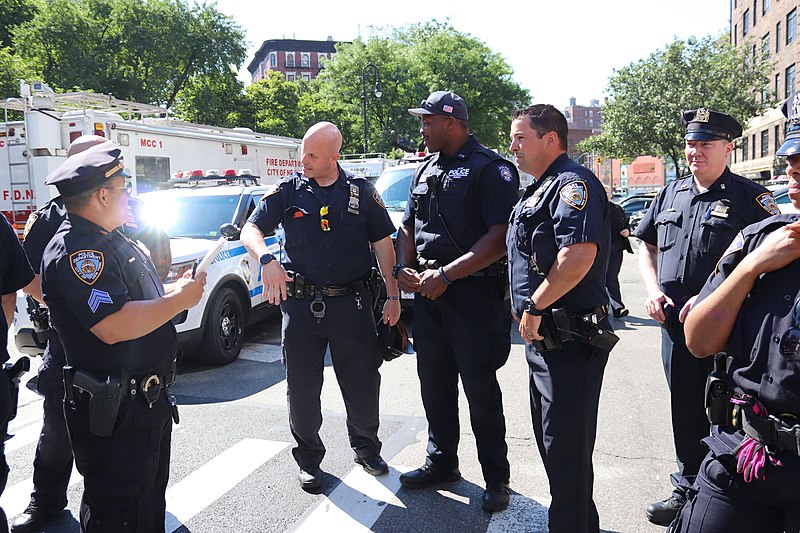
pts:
[146, 386]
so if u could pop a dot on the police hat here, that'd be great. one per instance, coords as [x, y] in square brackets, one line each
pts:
[392, 340]
[791, 110]
[442, 103]
[706, 125]
[88, 169]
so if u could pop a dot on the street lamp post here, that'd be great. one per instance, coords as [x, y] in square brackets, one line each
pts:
[369, 67]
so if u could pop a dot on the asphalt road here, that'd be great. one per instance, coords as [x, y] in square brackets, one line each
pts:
[232, 469]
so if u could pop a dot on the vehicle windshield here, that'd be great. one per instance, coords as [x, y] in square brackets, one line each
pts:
[393, 186]
[189, 216]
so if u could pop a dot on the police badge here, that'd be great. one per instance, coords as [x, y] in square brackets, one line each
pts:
[87, 265]
[703, 115]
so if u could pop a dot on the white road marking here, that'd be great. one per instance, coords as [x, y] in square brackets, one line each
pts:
[523, 514]
[356, 503]
[24, 436]
[16, 497]
[204, 486]
[263, 353]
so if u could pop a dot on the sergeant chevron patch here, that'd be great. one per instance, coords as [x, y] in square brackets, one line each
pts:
[98, 297]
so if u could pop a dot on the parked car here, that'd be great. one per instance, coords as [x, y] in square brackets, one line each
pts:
[636, 203]
[635, 218]
[781, 195]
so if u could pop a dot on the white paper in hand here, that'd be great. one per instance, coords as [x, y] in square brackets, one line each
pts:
[209, 257]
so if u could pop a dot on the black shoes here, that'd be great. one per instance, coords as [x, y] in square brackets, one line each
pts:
[310, 478]
[33, 518]
[374, 465]
[664, 512]
[425, 475]
[621, 312]
[495, 497]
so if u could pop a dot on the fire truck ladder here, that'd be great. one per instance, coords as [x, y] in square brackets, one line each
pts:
[20, 181]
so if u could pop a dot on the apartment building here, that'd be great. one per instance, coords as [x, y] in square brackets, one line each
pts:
[297, 59]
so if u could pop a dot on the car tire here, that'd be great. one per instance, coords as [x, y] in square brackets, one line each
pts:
[224, 332]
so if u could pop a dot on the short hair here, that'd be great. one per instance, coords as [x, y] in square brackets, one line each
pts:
[545, 118]
[80, 200]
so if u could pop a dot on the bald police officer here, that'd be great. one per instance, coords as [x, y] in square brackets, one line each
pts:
[750, 308]
[685, 232]
[324, 287]
[112, 314]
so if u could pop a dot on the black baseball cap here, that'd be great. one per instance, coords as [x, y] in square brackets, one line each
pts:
[444, 103]
[705, 125]
[88, 169]
[791, 110]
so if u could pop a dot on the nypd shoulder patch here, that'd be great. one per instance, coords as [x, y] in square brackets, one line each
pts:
[377, 197]
[736, 245]
[87, 265]
[29, 224]
[575, 195]
[767, 201]
[505, 173]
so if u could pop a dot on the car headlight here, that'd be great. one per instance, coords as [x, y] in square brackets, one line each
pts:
[177, 270]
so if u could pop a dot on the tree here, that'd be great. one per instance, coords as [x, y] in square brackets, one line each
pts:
[647, 97]
[270, 106]
[12, 69]
[12, 14]
[216, 99]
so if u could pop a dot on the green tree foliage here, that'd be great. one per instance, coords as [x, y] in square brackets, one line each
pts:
[12, 69]
[214, 99]
[142, 50]
[12, 14]
[648, 96]
[270, 106]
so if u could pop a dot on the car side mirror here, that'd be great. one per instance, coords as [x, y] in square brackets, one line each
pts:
[230, 232]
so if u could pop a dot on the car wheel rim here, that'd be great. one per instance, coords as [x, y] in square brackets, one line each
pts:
[229, 327]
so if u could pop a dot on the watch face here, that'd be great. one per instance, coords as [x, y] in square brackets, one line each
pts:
[266, 259]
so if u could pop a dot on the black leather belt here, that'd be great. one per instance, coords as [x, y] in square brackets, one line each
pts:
[149, 387]
[302, 287]
[778, 432]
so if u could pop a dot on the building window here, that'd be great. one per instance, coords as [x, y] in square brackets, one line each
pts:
[273, 60]
[778, 85]
[289, 59]
[745, 22]
[765, 5]
[320, 57]
[735, 34]
[765, 47]
[777, 37]
[791, 26]
[777, 137]
[755, 10]
[305, 61]
[753, 146]
[789, 80]
[306, 76]
[765, 143]
[745, 146]
[290, 76]
[591, 122]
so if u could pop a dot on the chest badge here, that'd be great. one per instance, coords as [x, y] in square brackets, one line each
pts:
[575, 195]
[720, 211]
[87, 265]
[352, 204]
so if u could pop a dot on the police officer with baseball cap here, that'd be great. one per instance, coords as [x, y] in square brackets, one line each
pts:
[450, 247]
[112, 314]
[685, 232]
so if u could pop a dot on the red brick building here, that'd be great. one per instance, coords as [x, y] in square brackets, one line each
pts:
[296, 59]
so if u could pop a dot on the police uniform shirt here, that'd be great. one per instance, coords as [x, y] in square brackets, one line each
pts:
[459, 198]
[15, 273]
[567, 206]
[692, 229]
[355, 218]
[88, 274]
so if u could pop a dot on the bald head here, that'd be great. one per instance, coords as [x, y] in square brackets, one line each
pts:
[320, 151]
[84, 142]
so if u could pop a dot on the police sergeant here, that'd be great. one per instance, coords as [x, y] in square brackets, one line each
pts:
[112, 314]
[52, 464]
[325, 289]
[449, 249]
[685, 231]
[558, 248]
[750, 308]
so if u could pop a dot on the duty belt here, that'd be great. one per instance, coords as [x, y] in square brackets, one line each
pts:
[497, 269]
[777, 432]
[301, 287]
[148, 386]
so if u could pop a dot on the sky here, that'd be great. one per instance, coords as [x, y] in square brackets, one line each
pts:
[558, 49]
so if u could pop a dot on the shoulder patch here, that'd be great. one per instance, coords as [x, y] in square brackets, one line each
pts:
[575, 195]
[767, 201]
[267, 194]
[377, 197]
[29, 224]
[736, 245]
[87, 265]
[505, 173]
[97, 297]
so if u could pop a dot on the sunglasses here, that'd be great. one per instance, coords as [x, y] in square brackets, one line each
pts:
[323, 222]
[790, 342]
[127, 188]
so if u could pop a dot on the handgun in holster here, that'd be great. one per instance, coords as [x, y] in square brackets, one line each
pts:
[548, 330]
[583, 328]
[39, 314]
[718, 393]
[104, 401]
[14, 374]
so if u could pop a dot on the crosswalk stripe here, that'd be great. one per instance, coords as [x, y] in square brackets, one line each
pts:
[356, 503]
[208, 483]
[24, 436]
[16, 497]
[523, 514]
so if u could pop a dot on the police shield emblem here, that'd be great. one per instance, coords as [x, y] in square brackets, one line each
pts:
[505, 173]
[702, 115]
[575, 195]
[87, 265]
[767, 201]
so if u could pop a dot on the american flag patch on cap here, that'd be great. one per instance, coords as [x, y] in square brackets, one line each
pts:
[447, 108]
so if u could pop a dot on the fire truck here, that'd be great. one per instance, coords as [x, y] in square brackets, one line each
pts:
[155, 146]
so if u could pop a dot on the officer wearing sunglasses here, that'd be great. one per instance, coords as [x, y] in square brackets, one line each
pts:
[750, 308]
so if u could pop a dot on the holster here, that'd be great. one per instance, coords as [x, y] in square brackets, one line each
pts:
[558, 326]
[718, 393]
[14, 374]
[104, 401]
[548, 330]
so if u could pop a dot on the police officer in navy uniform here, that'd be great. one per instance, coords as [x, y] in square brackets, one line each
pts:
[685, 232]
[449, 249]
[558, 246]
[331, 220]
[52, 464]
[112, 314]
[15, 273]
[750, 309]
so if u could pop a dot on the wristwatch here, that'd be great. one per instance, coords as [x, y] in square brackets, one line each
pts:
[266, 259]
[396, 269]
[529, 306]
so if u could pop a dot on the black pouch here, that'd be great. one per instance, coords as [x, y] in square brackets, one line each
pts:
[552, 339]
[602, 339]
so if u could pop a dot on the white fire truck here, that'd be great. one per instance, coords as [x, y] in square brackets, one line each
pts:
[154, 145]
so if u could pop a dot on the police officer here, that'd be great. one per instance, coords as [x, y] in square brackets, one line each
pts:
[558, 243]
[15, 273]
[685, 231]
[325, 290]
[449, 250]
[750, 308]
[620, 230]
[112, 314]
[52, 464]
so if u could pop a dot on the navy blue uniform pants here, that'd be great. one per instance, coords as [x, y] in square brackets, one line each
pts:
[565, 393]
[686, 377]
[52, 464]
[350, 333]
[125, 475]
[5, 413]
[722, 502]
[465, 332]
[612, 279]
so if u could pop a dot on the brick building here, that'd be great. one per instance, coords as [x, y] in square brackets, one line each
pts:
[583, 122]
[296, 59]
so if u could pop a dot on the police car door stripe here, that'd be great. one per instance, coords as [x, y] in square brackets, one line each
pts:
[16, 497]
[356, 503]
[523, 514]
[204, 486]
